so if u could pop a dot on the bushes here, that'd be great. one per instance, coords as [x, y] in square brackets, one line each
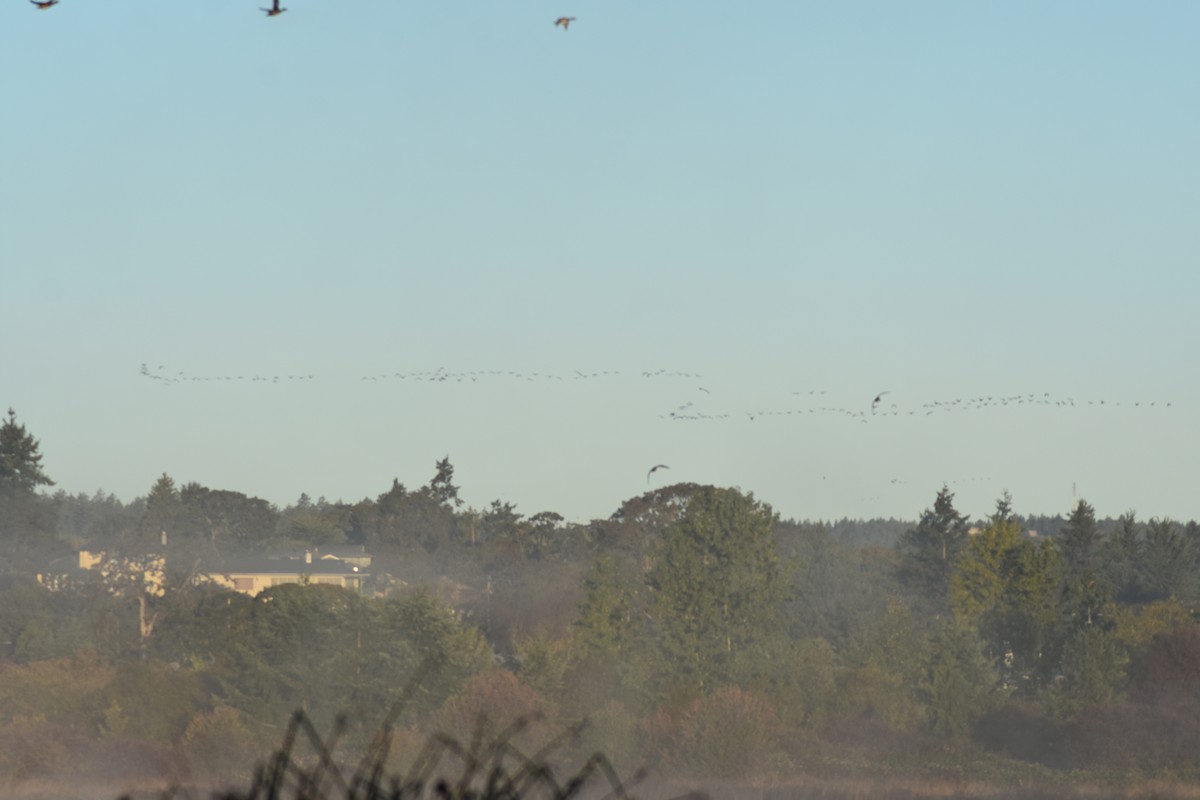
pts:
[34, 748]
[612, 730]
[1023, 732]
[218, 745]
[66, 691]
[151, 701]
[492, 702]
[727, 734]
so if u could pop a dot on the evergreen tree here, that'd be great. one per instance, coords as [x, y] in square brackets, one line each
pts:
[28, 520]
[611, 662]
[980, 581]
[604, 626]
[1084, 603]
[20, 458]
[1079, 541]
[928, 551]
[164, 511]
[442, 486]
[1093, 669]
[983, 588]
[717, 591]
[1120, 558]
[1004, 512]
[1031, 617]
[1167, 564]
[959, 683]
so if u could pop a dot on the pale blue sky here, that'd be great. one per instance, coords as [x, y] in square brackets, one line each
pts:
[941, 200]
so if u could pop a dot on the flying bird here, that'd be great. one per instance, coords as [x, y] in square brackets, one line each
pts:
[274, 10]
[877, 400]
[564, 21]
[654, 469]
[44, 4]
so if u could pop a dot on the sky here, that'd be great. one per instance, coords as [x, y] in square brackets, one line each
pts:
[699, 234]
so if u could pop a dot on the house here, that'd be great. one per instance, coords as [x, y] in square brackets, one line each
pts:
[253, 575]
[354, 554]
[145, 574]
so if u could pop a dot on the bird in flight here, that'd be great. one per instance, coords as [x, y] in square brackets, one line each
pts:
[877, 400]
[565, 22]
[654, 469]
[44, 4]
[274, 10]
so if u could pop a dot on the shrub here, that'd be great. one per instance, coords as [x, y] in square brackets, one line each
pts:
[727, 734]
[612, 730]
[489, 704]
[218, 745]
[1134, 736]
[34, 748]
[1023, 732]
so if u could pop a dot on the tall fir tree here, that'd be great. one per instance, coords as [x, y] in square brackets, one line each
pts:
[1167, 566]
[20, 457]
[1120, 559]
[1079, 541]
[928, 552]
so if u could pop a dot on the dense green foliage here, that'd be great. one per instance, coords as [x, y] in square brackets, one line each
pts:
[693, 627]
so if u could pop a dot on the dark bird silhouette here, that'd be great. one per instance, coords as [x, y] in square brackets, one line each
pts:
[274, 10]
[565, 22]
[44, 4]
[876, 401]
[654, 469]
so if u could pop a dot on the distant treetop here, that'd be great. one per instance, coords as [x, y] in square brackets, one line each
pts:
[20, 461]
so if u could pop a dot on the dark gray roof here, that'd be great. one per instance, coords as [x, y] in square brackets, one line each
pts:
[325, 551]
[281, 566]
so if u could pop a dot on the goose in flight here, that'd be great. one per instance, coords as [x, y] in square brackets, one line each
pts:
[274, 10]
[44, 4]
[565, 22]
[654, 469]
[876, 401]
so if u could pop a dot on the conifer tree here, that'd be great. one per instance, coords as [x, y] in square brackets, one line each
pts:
[930, 550]
[442, 486]
[1079, 541]
[20, 457]
[717, 589]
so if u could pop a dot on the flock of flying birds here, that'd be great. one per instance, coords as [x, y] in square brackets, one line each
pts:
[275, 10]
[704, 403]
[692, 412]
[439, 375]
[703, 406]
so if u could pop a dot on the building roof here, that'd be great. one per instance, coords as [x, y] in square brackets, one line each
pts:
[290, 566]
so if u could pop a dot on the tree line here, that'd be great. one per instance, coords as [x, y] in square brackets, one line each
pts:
[693, 627]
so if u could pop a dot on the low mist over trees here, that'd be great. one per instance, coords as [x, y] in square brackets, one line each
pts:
[693, 627]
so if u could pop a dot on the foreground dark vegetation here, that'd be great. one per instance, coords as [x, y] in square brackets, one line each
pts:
[700, 635]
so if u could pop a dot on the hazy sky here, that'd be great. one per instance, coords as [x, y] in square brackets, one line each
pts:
[802, 204]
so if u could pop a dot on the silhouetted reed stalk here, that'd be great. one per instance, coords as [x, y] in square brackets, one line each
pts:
[484, 769]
